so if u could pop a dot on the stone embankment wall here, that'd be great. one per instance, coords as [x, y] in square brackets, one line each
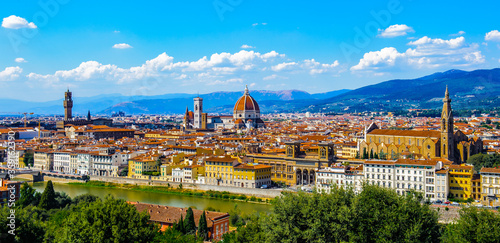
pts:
[265, 193]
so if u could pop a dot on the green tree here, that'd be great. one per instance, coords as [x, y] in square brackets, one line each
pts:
[29, 196]
[89, 198]
[375, 156]
[384, 216]
[28, 227]
[48, 198]
[189, 224]
[202, 227]
[179, 226]
[62, 199]
[235, 218]
[484, 160]
[173, 236]
[28, 159]
[111, 220]
[474, 225]
[371, 154]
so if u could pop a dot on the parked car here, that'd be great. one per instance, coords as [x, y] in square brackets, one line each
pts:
[447, 202]
[438, 202]
[455, 204]
[264, 187]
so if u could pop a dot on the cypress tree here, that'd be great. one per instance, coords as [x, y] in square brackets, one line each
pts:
[189, 224]
[179, 225]
[202, 227]
[48, 199]
[371, 154]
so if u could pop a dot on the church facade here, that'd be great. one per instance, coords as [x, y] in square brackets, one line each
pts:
[246, 114]
[442, 144]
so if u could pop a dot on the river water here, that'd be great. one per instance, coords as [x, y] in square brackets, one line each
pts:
[157, 198]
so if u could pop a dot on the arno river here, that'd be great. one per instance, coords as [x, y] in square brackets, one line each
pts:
[156, 198]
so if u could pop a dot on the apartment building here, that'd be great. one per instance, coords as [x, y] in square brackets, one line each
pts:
[404, 175]
[43, 159]
[252, 175]
[490, 193]
[61, 161]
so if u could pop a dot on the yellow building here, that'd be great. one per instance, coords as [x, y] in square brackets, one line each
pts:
[141, 164]
[445, 143]
[476, 187]
[252, 175]
[166, 169]
[219, 170]
[460, 183]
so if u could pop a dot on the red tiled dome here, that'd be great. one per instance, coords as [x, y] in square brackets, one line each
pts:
[246, 103]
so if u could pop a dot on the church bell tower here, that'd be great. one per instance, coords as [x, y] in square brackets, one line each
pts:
[447, 143]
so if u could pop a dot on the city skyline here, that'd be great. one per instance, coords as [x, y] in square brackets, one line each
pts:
[221, 46]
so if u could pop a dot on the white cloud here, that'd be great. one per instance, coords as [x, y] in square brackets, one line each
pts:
[460, 33]
[376, 59]
[10, 73]
[284, 66]
[493, 35]
[219, 64]
[20, 60]
[15, 22]
[255, 24]
[116, 31]
[122, 46]
[315, 67]
[246, 47]
[427, 53]
[395, 31]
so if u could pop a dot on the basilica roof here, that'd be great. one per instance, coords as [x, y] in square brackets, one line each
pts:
[246, 103]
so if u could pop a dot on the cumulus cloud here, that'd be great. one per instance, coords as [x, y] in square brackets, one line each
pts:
[218, 64]
[122, 46]
[247, 47]
[10, 73]
[426, 53]
[395, 31]
[493, 35]
[20, 60]
[16, 22]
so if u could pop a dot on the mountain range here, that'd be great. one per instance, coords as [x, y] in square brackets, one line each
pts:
[468, 90]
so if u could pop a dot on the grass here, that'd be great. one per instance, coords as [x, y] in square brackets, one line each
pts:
[176, 191]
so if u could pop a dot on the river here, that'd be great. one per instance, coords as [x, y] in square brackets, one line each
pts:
[157, 198]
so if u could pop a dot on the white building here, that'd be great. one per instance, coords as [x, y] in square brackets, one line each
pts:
[177, 174]
[404, 175]
[344, 176]
[84, 163]
[62, 161]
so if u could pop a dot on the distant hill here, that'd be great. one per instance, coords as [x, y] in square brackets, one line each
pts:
[218, 102]
[222, 102]
[468, 90]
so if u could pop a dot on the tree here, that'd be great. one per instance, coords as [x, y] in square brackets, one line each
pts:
[375, 156]
[62, 199]
[48, 199]
[203, 227]
[474, 225]
[189, 224]
[234, 217]
[371, 154]
[29, 196]
[89, 198]
[111, 220]
[179, 226]
[28, 227]
[28, 159]
[382, 215]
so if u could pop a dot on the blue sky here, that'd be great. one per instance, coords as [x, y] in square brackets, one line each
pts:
[158, 47]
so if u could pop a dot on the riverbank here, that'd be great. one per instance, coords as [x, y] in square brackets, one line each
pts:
[256, 192]
[224, 195]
